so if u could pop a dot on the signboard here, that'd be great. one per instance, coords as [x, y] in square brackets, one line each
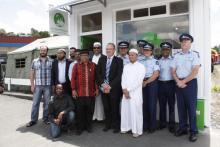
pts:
[58, 21]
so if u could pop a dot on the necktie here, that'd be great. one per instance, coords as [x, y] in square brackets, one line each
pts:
[108, 68]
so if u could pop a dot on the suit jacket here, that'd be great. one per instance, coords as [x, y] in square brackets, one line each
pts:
[55, 75]
[115, 73]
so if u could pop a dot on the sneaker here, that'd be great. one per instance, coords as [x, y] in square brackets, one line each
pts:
[30, 124]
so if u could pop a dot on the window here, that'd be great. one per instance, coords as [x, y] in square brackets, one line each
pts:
[140, 12]
[123, 15]
[92, 22]
[158, 10]
[153, 30]
[20, 63]
[179, 7]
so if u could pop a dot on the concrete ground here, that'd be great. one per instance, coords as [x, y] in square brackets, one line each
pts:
[15, 113]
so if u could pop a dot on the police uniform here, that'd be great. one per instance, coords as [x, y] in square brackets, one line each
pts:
[124, 44]
[141, 44]
[150, 92]
[166, 90]
[186, 97]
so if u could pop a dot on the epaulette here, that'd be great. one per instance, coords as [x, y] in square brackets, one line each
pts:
[196, 53]
[176, 53]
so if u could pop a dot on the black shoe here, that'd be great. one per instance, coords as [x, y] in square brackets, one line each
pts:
[192, 137]
[46, 122]
[30, 124]
[151, 131]
[146, 129]
[79, 132]
[116, 130]
[171, 129]
[89, 129]
[161, 127]
[180, 132]
[106, 128]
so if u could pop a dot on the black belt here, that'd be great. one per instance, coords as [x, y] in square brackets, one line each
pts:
[169, 81]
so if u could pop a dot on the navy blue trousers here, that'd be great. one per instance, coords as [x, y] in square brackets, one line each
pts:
[166, 96]
[186, 102]
[150, 105]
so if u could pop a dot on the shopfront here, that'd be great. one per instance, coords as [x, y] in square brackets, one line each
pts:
[152, 20]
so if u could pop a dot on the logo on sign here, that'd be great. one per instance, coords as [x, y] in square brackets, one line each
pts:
[59, 19]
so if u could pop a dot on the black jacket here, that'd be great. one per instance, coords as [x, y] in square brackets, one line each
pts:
[115, 72]
[55, 75]
[58, 105]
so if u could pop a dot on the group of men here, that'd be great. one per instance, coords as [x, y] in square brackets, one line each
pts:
[122, 90]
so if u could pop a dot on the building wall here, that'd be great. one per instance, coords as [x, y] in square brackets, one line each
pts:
[5, 50]
[199, 28]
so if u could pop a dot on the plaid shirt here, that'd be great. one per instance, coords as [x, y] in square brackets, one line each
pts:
[42, 71]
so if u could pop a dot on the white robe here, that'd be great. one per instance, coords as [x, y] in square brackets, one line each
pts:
[131, 109]
[98, 110]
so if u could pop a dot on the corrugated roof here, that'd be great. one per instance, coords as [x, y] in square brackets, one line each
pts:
[50, 42]
[16, 39]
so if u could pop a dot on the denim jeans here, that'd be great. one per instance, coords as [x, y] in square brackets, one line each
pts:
[55, 130]
[40, 91]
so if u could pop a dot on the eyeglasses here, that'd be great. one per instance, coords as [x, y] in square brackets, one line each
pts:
[96, 47]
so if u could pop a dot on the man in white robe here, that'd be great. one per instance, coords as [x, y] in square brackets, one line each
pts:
[131, 107]
[98, 110]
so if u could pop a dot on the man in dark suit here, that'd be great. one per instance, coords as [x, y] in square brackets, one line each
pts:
[108, 77]
[60, 69]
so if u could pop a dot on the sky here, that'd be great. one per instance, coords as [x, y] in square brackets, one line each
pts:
[22, 15]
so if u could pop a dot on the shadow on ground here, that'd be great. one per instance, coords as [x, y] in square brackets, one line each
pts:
[107, 139]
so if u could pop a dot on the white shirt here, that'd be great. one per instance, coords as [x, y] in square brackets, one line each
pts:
[95, 58]
[62, 70]
[71, 69]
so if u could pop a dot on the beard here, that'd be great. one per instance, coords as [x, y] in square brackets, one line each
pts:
[43, 55]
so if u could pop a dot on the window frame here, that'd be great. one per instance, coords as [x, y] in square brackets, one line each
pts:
[21, 64]
[149, 17]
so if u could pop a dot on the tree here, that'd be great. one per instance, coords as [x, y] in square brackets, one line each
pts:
[11, 34]
[34, 33]
[2, 32]
[44, 34]
[41, 34]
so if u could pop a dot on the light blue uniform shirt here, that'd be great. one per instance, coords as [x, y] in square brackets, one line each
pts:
[151, 65]
[166, 68]
[184, 62]
[125, 59]
[141, 57]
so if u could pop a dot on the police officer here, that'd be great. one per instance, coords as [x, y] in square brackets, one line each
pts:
[141, 44]
[123, 51]
[150, 87]
[166, 90]
[185, 68]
